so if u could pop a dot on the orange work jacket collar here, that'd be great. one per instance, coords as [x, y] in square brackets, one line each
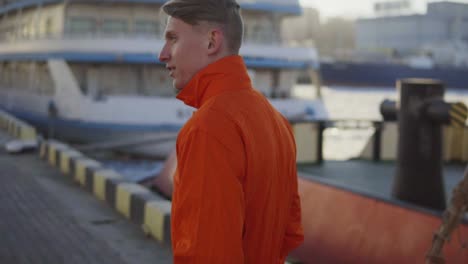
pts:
[226, 74]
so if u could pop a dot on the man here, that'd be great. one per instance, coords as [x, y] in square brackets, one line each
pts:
[235, 190]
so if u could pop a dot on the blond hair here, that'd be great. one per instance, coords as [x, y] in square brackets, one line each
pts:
[223, 13]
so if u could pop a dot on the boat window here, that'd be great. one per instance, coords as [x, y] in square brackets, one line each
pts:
[114, 26]
[246, 32]
[259, 28]
[156, 82]
[45, 85]
[79, 71]
[4, 75]
[257, 34]
[27, 76]
[21, 31]
[146, 27]
[117, 80]
[263, 32]
[263, 81]
[48, 26]
[19, 76]
[80, 25]
[4, 30]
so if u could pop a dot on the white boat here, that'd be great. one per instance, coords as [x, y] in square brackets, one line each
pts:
[87, 71]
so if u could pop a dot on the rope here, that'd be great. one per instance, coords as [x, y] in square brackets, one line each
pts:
[463, 243]
[450, 221]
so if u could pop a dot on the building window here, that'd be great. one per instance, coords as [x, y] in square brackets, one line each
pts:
[114, 26]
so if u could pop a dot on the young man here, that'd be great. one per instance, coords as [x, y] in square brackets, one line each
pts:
[235, 190]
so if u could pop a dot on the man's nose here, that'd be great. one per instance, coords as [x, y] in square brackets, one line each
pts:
[164, 55]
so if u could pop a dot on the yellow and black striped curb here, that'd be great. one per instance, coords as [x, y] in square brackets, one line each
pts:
[135, 202]
[458, 114]
[16, 127]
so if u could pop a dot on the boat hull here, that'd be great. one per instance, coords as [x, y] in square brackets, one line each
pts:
[152, 141]
[342, 226]
[118, 121]
[386, 75]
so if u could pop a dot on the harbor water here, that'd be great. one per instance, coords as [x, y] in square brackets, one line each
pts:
[339, 144]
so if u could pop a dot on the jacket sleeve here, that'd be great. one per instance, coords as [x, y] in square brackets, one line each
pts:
[294, 233]
[208, 203]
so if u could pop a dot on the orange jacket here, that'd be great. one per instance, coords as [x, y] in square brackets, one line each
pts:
[235, 191]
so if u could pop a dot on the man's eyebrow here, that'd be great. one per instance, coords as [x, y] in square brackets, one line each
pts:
[169, 34]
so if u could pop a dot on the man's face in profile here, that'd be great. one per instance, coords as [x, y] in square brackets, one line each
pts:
[184, 51]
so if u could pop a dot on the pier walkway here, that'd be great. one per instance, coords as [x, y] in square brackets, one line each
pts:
[47, 219]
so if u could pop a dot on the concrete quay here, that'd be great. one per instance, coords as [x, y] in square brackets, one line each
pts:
[46, 218]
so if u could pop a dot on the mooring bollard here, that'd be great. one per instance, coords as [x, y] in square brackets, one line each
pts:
[421, 113]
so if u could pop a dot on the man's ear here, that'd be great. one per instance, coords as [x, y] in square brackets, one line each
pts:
[215, 41]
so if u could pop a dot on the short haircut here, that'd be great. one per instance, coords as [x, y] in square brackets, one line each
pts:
[223, 13]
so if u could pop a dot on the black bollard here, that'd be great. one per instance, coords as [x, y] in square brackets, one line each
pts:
[419, 164]
[389, 111]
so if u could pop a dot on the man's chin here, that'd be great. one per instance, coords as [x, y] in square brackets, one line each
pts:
[177, 90]
[177, 87]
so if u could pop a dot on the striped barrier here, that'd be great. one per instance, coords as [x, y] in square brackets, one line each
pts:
[458, 114]
[16, 127]
[455, 146]
[135, 202]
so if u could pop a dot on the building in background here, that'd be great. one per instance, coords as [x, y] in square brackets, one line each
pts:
[332, 38]
[441, 33]
[396, 43]
[303, 29]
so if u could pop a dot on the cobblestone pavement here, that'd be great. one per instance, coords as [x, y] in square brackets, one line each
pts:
[46, 218]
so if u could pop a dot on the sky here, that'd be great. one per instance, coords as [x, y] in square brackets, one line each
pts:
[356, 8]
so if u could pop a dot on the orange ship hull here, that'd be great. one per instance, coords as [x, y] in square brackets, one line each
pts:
[342, 226]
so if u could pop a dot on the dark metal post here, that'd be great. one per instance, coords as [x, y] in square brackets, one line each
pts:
[52, 114]
[320, 130]
[377, 141]
[419, 164]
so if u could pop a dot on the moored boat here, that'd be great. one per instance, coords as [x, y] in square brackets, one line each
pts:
[87, 71]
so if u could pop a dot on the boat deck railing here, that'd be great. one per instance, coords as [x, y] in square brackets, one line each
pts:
[259, 38]
[381, 145]
[144, 44]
